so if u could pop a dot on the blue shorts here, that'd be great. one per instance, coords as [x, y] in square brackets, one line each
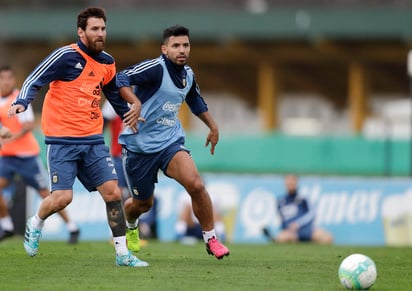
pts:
[141, 169]
[118, 165]
[195, 231]
[305, 233]
[91, 164]
[31, 169]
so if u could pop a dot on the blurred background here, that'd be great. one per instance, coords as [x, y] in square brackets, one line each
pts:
[327, 76]
[315, 87]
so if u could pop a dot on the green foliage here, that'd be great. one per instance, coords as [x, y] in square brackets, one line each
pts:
[91, 266]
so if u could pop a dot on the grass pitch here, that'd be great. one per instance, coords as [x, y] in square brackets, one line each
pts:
[91, 266]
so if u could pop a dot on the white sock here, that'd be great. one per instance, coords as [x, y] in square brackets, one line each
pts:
[130, 224]
[120, 245]
[208, 235]
[6, 223]
[71, 226]
[37, 222]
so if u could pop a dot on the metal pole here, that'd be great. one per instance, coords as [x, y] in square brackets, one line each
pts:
[409, 66]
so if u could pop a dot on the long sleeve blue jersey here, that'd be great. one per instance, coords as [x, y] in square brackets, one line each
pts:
[295, 209]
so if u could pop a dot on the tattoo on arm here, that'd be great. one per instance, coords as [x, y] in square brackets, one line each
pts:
[115, 217]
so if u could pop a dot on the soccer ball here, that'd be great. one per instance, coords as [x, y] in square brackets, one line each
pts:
[357, 272]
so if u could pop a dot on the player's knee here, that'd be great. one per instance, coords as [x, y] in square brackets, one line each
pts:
[145, 205]
[322, 237]
[196, 186]
[110, 191]
[327, 239]
[142, 206]
[61, 201]
[286, 237]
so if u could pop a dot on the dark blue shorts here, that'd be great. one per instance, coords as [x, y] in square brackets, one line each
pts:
[141, 169]
[195, 231]
[31, 169]
[91, 164]
[305, 233]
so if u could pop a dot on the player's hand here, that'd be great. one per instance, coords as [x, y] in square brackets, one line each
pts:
[132, 117]
[293, 226]
[14, 109]
[4, 133]
[212, 139]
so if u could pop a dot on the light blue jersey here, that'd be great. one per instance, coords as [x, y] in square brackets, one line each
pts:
[162, 126]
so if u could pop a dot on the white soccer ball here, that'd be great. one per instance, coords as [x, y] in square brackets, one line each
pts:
[357, 272]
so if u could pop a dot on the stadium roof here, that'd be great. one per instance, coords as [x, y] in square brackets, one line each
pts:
[319, 50]
[219, 25]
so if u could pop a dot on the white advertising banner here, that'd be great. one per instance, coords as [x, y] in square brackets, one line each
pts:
[357, 211]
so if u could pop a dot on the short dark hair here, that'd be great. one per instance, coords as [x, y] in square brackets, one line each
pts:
[5, 68]
[175, 30]
[85, 14]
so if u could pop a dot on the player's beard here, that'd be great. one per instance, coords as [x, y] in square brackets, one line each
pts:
[96, 45]
[180, 60]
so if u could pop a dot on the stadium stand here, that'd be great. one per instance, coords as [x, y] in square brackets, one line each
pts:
[303, 67]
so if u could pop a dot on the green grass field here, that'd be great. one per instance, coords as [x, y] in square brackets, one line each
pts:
[91, 266]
